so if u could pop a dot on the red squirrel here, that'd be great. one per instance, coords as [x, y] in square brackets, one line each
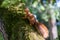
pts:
[30, 16]
[41, 28]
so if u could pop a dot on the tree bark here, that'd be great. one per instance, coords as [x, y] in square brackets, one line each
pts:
[3, 30]
[52, 24]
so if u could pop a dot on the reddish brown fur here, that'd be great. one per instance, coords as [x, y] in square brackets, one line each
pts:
[30, 16]
[41, 28]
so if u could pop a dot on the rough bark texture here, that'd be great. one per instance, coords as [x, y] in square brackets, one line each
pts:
[3, 30]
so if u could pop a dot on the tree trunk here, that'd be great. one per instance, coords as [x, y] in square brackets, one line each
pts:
[52, 24]
[3, 31]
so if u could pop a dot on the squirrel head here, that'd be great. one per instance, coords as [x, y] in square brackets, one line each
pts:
[26, 10]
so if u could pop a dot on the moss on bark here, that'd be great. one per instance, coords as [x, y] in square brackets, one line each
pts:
[18, 28]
